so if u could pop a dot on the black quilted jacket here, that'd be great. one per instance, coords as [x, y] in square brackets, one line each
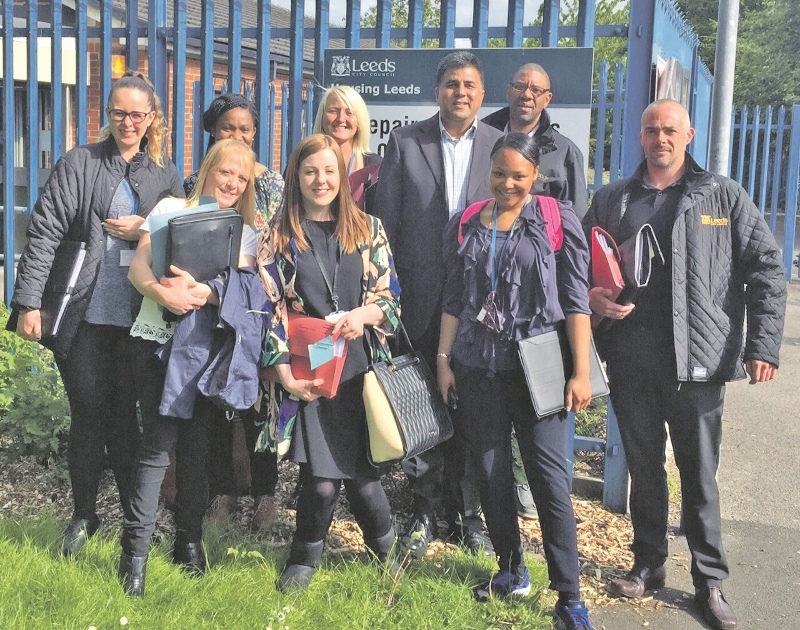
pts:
[725, 265]
[81, 187]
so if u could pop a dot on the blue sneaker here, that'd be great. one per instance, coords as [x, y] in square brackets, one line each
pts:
[505, 584]
[574, 615]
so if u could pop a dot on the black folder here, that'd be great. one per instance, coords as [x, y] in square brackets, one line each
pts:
[67, 265]
[205, 243]
[547, 362]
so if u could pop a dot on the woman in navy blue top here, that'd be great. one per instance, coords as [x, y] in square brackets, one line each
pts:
[506, 283]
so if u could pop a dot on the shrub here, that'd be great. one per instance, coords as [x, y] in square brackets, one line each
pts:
[34, 411]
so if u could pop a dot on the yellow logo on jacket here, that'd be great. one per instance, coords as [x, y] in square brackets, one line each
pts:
[707, 219]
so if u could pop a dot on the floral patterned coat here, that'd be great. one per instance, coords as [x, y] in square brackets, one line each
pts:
[379, 286]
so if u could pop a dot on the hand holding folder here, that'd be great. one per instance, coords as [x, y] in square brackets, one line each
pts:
[625, 269]
[315, 354]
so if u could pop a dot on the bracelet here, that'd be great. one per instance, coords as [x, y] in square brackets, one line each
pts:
[442, 355]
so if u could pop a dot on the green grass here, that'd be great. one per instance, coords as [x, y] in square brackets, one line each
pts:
[39, 589]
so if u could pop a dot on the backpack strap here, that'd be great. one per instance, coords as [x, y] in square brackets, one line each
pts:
[552, 217]
[468, 213]
[550, 212]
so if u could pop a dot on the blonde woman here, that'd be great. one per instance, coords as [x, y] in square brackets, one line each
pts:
[226, 175]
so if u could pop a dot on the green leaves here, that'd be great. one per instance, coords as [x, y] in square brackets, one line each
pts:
[34, 411]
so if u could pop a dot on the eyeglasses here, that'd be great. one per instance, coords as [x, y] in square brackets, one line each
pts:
[118, 115]
[521, 87]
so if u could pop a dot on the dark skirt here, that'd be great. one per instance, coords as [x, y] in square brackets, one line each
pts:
[331, 434]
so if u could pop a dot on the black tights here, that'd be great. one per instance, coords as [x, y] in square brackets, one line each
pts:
[317, 501]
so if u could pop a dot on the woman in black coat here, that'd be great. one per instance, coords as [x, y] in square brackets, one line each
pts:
[98, 194]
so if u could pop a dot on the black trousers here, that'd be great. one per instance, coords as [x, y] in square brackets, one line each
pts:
[646, 398]
[444, 479]
[263, 465]
[160, 435]
[98, 378]
[491, 407]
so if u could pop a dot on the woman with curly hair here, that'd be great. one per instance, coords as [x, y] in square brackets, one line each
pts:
[99, 194]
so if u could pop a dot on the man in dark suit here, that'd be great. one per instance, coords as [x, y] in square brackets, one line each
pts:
[432, 170]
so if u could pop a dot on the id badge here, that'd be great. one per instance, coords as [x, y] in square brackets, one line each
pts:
[335, 316]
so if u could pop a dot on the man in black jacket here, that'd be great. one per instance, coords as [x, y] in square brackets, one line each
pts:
[561, 168]
[670, 356]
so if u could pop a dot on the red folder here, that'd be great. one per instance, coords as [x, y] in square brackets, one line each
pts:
[606, 270]
[303, 332]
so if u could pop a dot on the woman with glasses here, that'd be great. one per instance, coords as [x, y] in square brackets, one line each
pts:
[233, 116]
[99, 194]
[506, 282]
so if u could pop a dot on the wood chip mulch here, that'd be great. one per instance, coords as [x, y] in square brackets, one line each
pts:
[27, 488]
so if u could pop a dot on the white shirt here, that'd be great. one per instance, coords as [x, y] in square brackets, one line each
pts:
[457, 156]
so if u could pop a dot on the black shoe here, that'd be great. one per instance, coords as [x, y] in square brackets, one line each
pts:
[77, 533]
[715, 608]
[190, 556]
[132, 572]
[421, 531]
[291, 501]
[526, 508]
[638, 581]
[476, 542]
[302, 564]
[386, 550]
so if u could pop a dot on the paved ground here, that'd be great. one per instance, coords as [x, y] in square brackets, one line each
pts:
[759, 482]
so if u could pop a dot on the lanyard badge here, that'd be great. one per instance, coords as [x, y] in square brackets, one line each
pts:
[491, 314]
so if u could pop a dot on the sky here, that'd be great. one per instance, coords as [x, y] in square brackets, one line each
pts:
[498, 10]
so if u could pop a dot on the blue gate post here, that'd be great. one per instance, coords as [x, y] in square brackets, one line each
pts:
[266, 130]
[637, 81]
[615, 486]
[8, 153]
[295, 111]
[157, 62]
[792, 182]
[56, 128]
[178, 132]
[33, 109]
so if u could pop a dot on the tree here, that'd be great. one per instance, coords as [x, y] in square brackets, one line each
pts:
[431, 11]
[767, 48]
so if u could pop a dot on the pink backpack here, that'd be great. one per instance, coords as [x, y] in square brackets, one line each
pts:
[550, 212]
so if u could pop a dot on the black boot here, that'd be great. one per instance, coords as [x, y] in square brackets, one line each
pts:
[132, 572]
[386, 550]
[189, 555]
[77, 533]
[301, 566]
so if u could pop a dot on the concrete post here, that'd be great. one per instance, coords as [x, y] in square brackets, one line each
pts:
[722, 90]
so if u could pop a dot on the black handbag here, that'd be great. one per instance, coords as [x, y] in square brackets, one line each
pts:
[406, 415]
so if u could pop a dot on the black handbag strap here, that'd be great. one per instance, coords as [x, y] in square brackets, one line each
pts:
[374, 342]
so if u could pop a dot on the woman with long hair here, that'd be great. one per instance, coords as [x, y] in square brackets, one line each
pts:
[327, 259]
[235, 116]
[98, 194]
[227, 176]
[506, 282]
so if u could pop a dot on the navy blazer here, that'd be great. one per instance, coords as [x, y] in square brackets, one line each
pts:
[411, 201]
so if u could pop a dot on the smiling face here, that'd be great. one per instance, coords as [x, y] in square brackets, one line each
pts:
[227, 181]
[236, 123]
[339, 121]
[528, 94]
[460, 96]
[127, 133]
[319, 181]
[666, 131]
[511, 179]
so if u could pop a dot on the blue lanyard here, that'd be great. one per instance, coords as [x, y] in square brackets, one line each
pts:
[352, 163]
[494, 245]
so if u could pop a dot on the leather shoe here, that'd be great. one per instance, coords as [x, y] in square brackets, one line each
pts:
[132, 572]
[638, 581]
[265, 515]
[715, 608]
[478, 543]
[221, 509]
[526, 508]
[77, 533]
[190, 556]
[421, 531]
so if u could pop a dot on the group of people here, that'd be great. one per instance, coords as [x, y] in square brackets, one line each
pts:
[456, 221]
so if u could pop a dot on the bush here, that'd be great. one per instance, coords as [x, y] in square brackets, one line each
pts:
[34, 411]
